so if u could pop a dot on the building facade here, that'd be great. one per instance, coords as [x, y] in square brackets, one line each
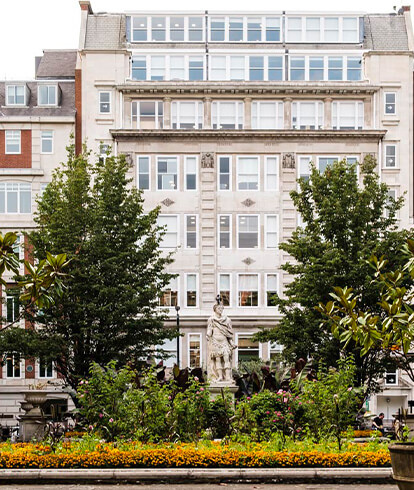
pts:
[219, 113]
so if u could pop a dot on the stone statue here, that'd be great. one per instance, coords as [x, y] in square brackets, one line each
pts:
[220, 345]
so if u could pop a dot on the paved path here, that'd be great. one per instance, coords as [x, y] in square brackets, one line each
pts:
[191, 486]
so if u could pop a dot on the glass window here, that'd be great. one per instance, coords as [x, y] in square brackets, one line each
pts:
[187, 115]
[12, 305]
[294, 31]
[167, 173]
[217, 31]
[275, 68]
[390, 156]
[190, 164]
[46, 139]
[307, 115]
[297, 68]
[236, 29]
[45, 368]
[227, 115]
[353, 71]
[304, 167]
[256, 68]
[324, 162]
[169, 297]
[313, 29]
[225, 288]
[335, 65]
[237, 68]
[195, 28]
[16, 95]
[147, 114]
[347, 115]
[191, 231]
[390, 103]
[224, 221]
[391, 377]
[273, 29]
[247, 350]
[254, 29]
[267, 115]
[104, 102]
[331, 29]
[143, 172]
[139, 68]
[275, 350]
[104, 152]
[13, 366]
[194, 350]
[271, 289]
[15, 198]
[248, 293]
[224, 173]
[158, 29]
[17, 248]
[218, 68]
[272, 167]
[191, 290]
[139, 29]
[315, 68]
[196, 68]
[170, 224]
[47, 95]
[13, 142]
[157, 67]
[177, 68]
[177, 28]
[248, 231]
[248, 173]
[271, 227]
[169, 347]
[350, 30]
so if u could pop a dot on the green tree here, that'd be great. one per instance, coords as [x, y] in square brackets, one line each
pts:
[344, 223]
[116, 274]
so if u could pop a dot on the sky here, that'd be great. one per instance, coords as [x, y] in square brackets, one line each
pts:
[29, 26]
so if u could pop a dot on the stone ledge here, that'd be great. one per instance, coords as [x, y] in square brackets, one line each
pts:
[311, 475]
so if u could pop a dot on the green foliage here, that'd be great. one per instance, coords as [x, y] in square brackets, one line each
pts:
[344, 224]
[116, 273]
[388, 330]
[330, 404]
[220, 414]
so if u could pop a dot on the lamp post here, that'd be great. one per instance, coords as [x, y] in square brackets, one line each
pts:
[218, 299]
[177, 309]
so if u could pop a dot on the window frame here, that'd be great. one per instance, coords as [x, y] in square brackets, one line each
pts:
[230, 174]
[258, 289]
[21, 367]
[49, 86]
[43, 138]
[196, 291]
[394, 103]
[198, 114]
[266, 290]
[39, 369]
[186, 247]
[238, 216]
[15, 86]
[318, 116]
[239, 114]
[230, 286]
[101, 92]
[159, 122]
[396, 378]
[266, 231]
[336, 126]
[200, 336]
[19, 190]
[396, 164]
[267, 188]
[177, 157]
[186, 157]
[278, 118]
[230, 216]
[178, 242]
[11, 133]
[240, 157]
[137, 157]
[170, 308]
[245, 334]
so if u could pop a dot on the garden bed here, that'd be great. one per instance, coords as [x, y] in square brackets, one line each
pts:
[136, 455]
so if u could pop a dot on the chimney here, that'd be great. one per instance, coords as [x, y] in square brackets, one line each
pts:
[406, 8]
[86, 5]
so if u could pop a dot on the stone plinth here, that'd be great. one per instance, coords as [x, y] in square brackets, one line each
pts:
[217, 387]
[31, 427]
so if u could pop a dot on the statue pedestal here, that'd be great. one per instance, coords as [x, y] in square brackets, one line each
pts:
[32, 427]
[216, 389]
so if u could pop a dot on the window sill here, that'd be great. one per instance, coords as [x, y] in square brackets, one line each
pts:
[22, 171]
[390, 122]
[104, 120]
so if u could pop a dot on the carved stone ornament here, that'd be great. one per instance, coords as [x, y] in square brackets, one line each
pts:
[288, 160]
[207, 160]
[167, 202]
[248, 202]
[248, 261]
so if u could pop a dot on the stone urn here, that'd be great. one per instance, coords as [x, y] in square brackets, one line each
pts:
[402, 460]
[26, 406]
[36, 398]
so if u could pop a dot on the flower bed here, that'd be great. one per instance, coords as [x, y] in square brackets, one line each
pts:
[181, 455]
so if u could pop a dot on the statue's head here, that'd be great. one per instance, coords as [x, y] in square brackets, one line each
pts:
[218, 308]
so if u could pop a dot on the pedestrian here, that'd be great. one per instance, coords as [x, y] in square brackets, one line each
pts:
[377, 423]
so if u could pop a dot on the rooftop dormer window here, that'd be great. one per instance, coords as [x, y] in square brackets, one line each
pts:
[47, 95]
[16, 95]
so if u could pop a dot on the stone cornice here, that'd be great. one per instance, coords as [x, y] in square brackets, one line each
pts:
[208, 88]
[375, 134]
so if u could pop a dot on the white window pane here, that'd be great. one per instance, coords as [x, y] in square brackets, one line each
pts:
[248, 282]
[272, 282]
